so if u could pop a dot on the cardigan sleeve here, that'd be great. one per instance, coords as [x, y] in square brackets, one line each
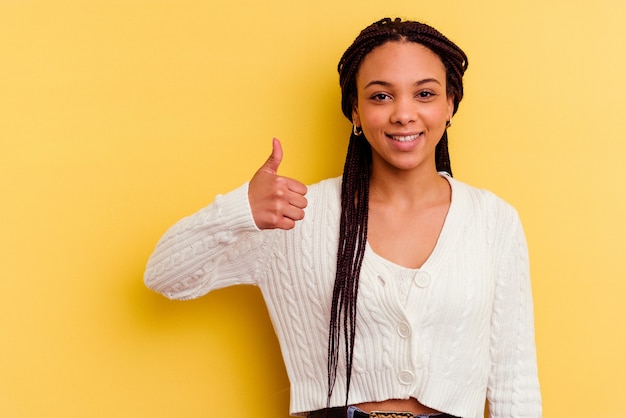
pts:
[218, 246]
[513, 390]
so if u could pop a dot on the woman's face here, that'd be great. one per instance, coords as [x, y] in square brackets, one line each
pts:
[402, 105]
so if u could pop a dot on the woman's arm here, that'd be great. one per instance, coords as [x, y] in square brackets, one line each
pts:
[513, 385]
[218, 246]
[223, 244]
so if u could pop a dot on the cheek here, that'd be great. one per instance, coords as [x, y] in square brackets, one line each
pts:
[437, 114]
[372, 118]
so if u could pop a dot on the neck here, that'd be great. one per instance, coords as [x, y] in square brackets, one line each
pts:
[407, 188]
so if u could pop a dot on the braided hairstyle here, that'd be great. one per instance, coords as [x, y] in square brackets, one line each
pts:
[357, 168]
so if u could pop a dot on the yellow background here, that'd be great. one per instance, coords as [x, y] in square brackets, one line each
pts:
[118, 117]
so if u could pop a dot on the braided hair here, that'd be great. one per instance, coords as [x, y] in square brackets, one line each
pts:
[357, 168]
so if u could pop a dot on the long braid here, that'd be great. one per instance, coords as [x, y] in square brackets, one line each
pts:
[353, 233]
[356, 174]
[442, 157]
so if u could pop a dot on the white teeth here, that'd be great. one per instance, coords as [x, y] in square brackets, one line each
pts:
[405, 138]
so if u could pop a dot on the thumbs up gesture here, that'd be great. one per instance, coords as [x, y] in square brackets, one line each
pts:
[276, 202]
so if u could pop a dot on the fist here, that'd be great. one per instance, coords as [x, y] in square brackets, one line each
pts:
[276, 201]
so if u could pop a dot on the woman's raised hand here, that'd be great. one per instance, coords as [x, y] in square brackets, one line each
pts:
[276, 202]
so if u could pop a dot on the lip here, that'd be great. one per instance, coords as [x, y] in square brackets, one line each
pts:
[404, 137]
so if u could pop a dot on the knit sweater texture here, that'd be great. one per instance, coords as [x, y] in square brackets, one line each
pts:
[463, 333]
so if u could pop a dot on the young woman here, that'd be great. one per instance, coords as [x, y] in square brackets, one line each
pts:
[395, 290]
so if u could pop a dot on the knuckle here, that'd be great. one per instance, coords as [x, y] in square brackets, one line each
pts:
[279, 193]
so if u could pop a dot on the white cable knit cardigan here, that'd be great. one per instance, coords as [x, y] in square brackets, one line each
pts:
[465, 332]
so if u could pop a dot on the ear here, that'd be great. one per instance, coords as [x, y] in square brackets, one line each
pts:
[356, 120]
[450, 106]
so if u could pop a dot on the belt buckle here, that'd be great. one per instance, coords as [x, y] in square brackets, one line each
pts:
[380, 414]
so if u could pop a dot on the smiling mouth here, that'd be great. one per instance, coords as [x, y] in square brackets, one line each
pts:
[404, 138]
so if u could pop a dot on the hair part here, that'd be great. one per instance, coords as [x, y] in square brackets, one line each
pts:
[357, 169]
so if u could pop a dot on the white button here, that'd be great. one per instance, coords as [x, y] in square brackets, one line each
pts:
[422, 279]
[404, 329]
[405, 377]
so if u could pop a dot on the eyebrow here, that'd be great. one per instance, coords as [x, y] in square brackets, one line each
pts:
[388, 84]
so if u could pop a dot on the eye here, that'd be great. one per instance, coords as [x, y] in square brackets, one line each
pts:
[425, 94]
[380, 97]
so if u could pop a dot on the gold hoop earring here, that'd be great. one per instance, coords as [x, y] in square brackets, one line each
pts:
[356, 130]
[449, 123]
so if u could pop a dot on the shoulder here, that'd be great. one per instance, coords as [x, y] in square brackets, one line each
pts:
[329, 185]
[478, 198]
[486, 208]
[325, 190]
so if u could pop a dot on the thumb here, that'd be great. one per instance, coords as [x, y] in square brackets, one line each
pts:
[276, 157]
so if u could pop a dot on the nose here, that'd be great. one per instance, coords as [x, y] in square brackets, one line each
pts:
[404, 111]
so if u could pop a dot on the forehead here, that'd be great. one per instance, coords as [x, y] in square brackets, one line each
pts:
[402, 62]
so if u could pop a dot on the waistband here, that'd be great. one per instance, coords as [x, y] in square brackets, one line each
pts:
[342, 412]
